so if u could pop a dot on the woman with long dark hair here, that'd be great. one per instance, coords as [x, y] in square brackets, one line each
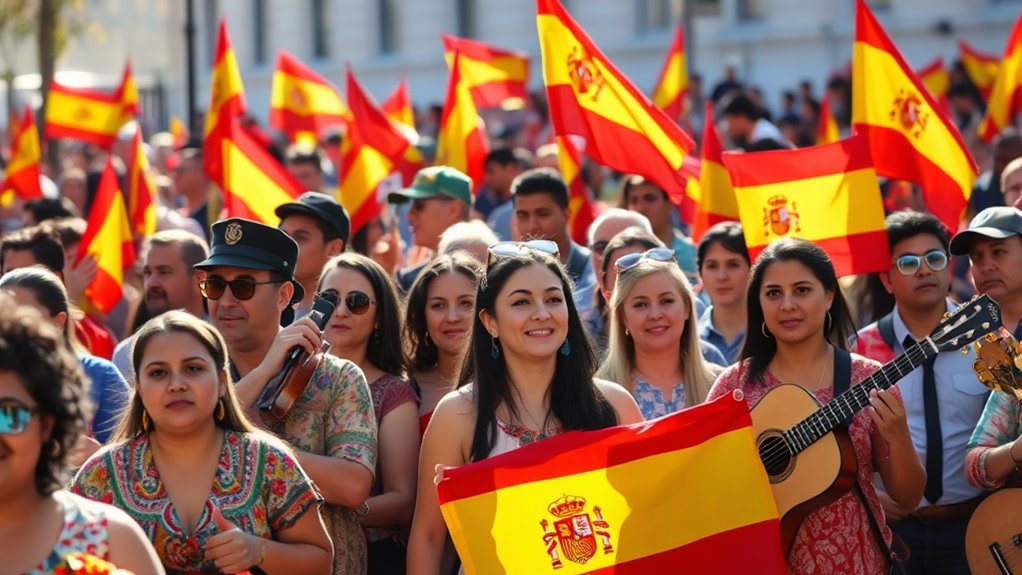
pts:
[528, 376]
[798, 323]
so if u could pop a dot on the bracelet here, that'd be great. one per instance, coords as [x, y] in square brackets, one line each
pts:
[262, 553]
[363, 510]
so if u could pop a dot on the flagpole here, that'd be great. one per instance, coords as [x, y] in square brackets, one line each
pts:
[190, 59]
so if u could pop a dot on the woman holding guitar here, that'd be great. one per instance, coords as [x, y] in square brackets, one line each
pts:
[797, 332]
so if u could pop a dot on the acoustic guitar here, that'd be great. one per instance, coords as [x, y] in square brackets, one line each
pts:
[993, 539]
[805, 446]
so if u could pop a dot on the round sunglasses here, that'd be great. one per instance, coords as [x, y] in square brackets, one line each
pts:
[629, 261]
[357, 302]
[213, 287]
[909, 264]
[15, 417]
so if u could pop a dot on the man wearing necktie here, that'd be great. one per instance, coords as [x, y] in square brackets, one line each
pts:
[943, 398]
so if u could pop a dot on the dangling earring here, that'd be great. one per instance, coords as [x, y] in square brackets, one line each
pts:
[221, 411]
[566, 349]
[762, 328]
[627, 333]
[145, 421]
[54, 446]
[829, 322]
[494, 350]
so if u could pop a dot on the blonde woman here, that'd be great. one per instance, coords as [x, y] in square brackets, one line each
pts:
[654, 349]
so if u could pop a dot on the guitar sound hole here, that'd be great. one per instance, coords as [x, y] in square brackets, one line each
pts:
[773, 452]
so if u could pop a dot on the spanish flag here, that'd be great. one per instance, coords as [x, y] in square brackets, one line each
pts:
[226, 99]
[462, 142]
[910, 135]
[304, 104]
[255, 184]
[398, 106]
[580, 206]
[23, 168]
[825, 194]
[494, 76]
[716, 198]
[178, 132]
[643, 498]
[589, 97]
[1005, 100]
[936, 79]
[108, 239]
[141, 191]
[672, 86]
[371, 154]
[979, 67]
[826, 126]
[90, 115]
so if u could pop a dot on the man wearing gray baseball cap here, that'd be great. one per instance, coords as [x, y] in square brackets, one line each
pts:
[993, 243]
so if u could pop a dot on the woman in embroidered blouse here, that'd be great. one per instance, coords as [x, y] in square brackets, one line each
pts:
[993, 459]
[211, 492]
[654, 342]
[528, 376]
[437, 323]
[797, 316]
[366, 329]
[42, 412]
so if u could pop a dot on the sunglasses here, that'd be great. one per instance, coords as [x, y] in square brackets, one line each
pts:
[357, 302]
[629, 261]
[508, 249]
[909, 264]
[213, 288]
[14, 418]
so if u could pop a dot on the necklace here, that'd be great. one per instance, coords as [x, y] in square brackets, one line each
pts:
[819, 381]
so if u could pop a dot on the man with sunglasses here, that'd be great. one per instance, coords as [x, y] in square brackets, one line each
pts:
[249, 283]
[943, 398]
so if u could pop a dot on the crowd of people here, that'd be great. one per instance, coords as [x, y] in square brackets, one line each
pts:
[218, 421]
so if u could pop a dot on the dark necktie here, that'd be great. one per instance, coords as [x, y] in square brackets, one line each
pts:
[934, 438]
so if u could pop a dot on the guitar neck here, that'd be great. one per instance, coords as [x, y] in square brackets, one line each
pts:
[842, 407]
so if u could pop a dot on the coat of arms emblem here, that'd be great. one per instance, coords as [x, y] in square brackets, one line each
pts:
[908, 110]
[574, 531]
[585, 76]
[778, 218]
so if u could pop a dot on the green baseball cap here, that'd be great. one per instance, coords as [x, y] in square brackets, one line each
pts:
[433, 182]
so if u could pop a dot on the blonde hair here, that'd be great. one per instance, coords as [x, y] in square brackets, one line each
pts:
[620, 362]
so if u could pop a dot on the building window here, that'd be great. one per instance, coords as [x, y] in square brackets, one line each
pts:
[259, 31]
[751, 10]
[320, 38]
[466, 14]
[388, 26]
[659, 14]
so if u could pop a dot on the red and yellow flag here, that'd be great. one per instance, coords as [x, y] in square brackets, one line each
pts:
[826, 126]
[589, 97]
[23, 168]
[979, 67]
[372, 155]
[580, 205]
[178, 132]
[108, 239]
[494, 76]
[826, 194]
[462, 142]
[304, 104]
[398, 106]
[226, 102]
[89, 115]
[255, 184]
[716, 198]
[609, 501]
[141, 191]
[936, 79]
[1005, 100]
[672, 85]
[909, 133]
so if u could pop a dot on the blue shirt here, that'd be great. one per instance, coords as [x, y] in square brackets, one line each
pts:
[109, 393]
[732, 350]
[499, 220]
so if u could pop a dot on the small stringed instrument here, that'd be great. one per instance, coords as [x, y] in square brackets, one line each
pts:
[993, 539]
[805, 446]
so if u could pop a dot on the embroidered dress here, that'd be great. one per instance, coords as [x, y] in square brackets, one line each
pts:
[999, 424]
[836, 538]
[257, 487]
[651, 400]
[84, 531]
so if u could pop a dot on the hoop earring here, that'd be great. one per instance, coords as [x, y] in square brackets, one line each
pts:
[494, 350]
[54, 446]
[221, 411]
[763, 329]
[828, 323]
[145, 421]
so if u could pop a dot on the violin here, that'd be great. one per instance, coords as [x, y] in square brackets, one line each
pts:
[281, 392]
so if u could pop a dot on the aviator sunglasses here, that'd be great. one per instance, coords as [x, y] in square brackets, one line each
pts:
[508, 249]
[356, 301]
[629, 261]
[15, 417]
[213, 288]
[909, 264]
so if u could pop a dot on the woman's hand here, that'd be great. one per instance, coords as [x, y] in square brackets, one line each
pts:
[888, 414]
[233, 550]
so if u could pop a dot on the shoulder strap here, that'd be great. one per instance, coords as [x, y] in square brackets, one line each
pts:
[893, 559]
[842, 371]
[886, 327]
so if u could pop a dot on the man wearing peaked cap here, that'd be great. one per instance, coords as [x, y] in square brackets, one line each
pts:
[993, 243]
[441, 196]
[249, 282]
[320, 226]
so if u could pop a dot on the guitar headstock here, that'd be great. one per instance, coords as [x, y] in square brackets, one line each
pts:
[998, 363]
[971, 321]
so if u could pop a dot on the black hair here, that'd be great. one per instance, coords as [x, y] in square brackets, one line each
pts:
[501, 156]
[300, 154]
[629, 182]
[738, 104]
[761, 348]
[730, 237]
[541, 181]
[42, 241]
[421, 353]
[766, 145]
[384, 348]
[34, 351]
[47, 289]
[905, 224]
[44, 209]
[575, 401]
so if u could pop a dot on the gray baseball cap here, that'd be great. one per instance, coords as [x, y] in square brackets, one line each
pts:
[996, 223]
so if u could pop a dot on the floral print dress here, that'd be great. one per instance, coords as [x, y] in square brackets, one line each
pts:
[1000, 423]
[84, 531]
[257, 486]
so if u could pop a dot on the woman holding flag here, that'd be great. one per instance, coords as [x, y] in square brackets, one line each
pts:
[528, 376]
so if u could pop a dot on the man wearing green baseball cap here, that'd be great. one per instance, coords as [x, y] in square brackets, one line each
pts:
[441, 196]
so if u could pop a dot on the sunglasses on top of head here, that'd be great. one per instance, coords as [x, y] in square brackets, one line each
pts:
[357, 302]
[629, 261]
[508, 249]
[243, 288]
